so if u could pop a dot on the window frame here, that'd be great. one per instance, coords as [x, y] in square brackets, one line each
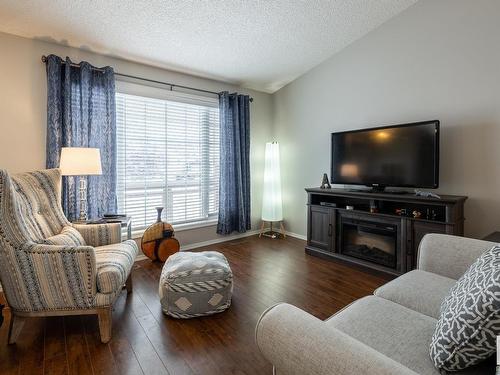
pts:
[124, 86]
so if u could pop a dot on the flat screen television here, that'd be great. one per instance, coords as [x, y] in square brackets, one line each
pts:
[405, 155]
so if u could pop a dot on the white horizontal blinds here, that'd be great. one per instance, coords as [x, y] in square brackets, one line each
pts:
[168, 155]
[141, 160]
[212, 153]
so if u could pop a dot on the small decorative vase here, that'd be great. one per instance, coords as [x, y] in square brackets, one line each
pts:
[159, 210]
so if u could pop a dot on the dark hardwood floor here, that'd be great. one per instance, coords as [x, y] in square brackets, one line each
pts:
[147, 342]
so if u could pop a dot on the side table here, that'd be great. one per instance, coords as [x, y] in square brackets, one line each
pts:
[125, 221]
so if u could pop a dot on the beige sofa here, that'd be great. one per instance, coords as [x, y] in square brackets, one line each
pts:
[387, 333]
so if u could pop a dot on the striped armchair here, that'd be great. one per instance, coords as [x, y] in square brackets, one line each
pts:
[49, 266]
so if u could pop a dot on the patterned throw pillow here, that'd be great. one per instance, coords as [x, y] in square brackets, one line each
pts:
[69, 236]
[466, 331]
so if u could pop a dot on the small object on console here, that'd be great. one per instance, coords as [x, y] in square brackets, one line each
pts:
[417, 214]
[325, 184]
[328, 204]
[349, 207]
[401, 212]
[431, 214]
[426, 194]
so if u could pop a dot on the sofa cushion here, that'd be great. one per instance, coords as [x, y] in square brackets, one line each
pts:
[393, 330]
[470, 316]
[69, 236]
[113, 263]
[418, 290]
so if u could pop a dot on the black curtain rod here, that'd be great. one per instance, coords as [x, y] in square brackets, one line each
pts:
[172, 85]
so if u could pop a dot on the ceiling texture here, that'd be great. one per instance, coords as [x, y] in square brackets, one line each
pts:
[257, 44]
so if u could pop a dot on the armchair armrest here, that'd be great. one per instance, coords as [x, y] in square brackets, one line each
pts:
[296, 342]
[100, 234]
[449, 256]
[58, 277]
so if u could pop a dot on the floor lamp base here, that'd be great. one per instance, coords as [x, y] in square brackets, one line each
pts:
[272, 233]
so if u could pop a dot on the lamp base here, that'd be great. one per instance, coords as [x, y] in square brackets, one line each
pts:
[271, 233]
[83, 199]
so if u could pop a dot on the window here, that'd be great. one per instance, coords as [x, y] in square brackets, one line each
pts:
[167, 155]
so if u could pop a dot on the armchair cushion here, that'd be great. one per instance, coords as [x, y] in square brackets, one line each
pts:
[100, 234]
[114, 263]
[69, 236]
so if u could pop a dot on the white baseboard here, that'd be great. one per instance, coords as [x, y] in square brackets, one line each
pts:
[209, 242]
[296, 235]
[219, 240]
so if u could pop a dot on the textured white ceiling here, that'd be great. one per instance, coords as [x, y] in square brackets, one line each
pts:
[257, 44]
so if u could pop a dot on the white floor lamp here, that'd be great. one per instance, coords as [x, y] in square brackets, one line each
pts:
[272, 206]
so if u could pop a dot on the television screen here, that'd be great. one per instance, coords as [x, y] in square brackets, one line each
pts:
[400, 155]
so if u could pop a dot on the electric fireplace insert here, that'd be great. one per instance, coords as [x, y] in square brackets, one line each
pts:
[370, 241]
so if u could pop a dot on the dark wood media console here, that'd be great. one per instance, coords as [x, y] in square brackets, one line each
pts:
[382, 231]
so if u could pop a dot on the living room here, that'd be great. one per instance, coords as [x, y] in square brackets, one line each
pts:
[224, 113]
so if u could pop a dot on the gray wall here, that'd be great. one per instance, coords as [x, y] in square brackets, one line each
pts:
[438, 59]
[23, 101]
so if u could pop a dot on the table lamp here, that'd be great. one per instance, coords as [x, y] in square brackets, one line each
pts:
[81, 161]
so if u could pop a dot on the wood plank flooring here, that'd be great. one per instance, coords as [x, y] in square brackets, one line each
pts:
[145, 341]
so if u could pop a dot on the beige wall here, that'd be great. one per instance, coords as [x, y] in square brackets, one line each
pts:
[23, 111]
[438, 59]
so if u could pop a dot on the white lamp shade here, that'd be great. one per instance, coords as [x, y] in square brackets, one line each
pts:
[80, 161]
[272, 207]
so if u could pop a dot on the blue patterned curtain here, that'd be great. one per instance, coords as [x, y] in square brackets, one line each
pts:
[81, 113]
[234, 186]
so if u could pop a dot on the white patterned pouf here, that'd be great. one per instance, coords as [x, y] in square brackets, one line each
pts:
[195, 284]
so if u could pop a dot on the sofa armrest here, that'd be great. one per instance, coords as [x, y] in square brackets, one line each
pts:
[449, 256]
[100, 234]
[297, 343]
[56, 277]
